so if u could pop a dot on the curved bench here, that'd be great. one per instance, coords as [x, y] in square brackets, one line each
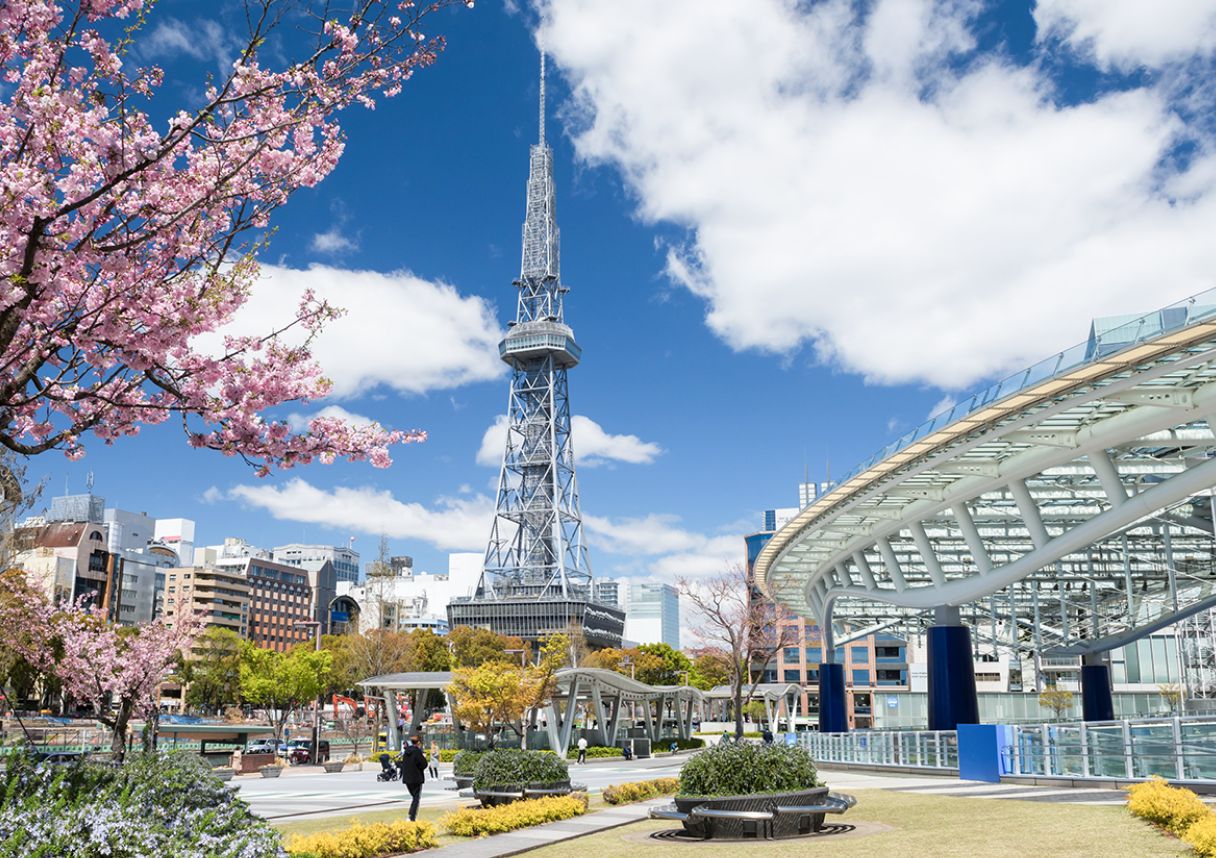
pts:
[772, 816]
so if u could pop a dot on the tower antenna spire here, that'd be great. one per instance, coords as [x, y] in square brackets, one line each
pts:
[542, 94]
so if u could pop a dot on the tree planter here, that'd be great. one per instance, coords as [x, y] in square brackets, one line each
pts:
[463, 781]
[271, 771]
[333, 768]
[223, 773]
[776, 824]
[492, 796]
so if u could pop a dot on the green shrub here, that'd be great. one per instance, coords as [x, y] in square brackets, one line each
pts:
[446, 755]
[364, 841]
[510, 766]
[478, 822]
[596, 752]
[154, 804]
[747, 769]
[640, 790]
[688, 744]
[465, 764]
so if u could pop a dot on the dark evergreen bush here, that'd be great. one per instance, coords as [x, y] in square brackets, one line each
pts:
[465, 763]
[747, 769]
[155, 804]
[511, 767]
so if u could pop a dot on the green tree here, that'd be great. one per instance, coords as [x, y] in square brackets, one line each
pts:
[492, 695]
[428, 652]
[671, 667]
[212, 671]
[710, 668]
[282, 682]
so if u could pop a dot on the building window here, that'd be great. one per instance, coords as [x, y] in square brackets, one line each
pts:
[814, 655]
[790, 655]
[793, 676]
[861, 677]
[861, 655]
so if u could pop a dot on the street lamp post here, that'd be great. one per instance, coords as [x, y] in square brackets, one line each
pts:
[316, 709]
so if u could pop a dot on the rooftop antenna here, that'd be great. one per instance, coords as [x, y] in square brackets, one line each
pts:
[542, 92]
[89, 482]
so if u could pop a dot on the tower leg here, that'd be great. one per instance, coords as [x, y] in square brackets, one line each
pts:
[952, 699]
[1097, 703]
[833, 717]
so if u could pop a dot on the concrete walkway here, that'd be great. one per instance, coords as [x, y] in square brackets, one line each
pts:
[514, 842]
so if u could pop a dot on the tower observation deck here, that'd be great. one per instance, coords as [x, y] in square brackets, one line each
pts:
[537, 579]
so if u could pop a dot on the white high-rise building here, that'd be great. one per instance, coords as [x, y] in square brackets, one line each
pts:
[345, 559]
[406, 599]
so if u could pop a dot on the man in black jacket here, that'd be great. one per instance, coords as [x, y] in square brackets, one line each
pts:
[412, 764]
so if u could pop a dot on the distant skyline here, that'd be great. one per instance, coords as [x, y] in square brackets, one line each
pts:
[792, 231]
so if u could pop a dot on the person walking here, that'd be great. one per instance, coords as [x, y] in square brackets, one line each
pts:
[434, 761]
[582, 749]
[767, 735]
[412, 764]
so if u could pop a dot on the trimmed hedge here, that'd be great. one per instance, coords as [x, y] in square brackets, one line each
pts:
[640, 790]
[364, 841]
[465, 763]
[1201, 836]
[1172, 808]
[446, 755]
[479, 822]
[747, 769]
[512, 767]
[595, 752]
[688, 744]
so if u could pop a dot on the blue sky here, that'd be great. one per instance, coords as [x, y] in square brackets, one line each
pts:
[791, 230]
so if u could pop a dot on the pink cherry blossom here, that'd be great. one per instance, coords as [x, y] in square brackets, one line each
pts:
[124, 238]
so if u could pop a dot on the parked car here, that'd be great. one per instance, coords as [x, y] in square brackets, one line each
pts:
[260, 746]
[301, 752]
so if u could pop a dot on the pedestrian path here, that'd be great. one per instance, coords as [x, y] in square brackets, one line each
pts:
[514, 842]
[952, 786]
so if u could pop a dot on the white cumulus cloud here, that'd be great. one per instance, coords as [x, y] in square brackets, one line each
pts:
[451, 524]
[399, 331]
[333, 241]
[1130, 33]
[855, 179]
[592, 445]
[669, 550]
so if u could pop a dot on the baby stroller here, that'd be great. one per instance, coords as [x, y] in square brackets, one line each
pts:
[388, 772]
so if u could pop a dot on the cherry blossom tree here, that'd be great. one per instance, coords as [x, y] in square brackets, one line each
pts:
[116, 670]
[129, 227]
[733, 619]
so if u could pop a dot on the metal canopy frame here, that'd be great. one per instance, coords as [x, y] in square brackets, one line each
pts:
[1067, 509]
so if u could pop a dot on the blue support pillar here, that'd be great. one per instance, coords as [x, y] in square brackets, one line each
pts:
[1097, 703]
[952, 699]
[833, 714]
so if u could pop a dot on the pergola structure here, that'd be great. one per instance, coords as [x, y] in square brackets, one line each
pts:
[414, 687]
[614, 697]
[1065, 510]
[780, 698]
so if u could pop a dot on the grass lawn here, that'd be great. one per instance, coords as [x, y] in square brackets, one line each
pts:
[908, 826]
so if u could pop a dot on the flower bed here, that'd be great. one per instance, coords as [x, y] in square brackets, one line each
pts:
[364, 841]
[479, 822]
[640, 790]
[163, 804]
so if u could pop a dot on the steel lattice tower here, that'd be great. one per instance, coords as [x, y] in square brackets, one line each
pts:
[536, 577]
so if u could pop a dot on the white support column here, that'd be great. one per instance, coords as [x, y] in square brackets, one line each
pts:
[1108, 476]
[891, 562]
[843, 576]
[971, 534]
[1030, 513]
[863, 568]
[925, 547]
[597, 704]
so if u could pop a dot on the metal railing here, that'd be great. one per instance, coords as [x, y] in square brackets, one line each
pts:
[917, 749]
[1175, 748]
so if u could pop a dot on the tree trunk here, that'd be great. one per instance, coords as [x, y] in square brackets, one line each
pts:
[738, 709]
[118, 733]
